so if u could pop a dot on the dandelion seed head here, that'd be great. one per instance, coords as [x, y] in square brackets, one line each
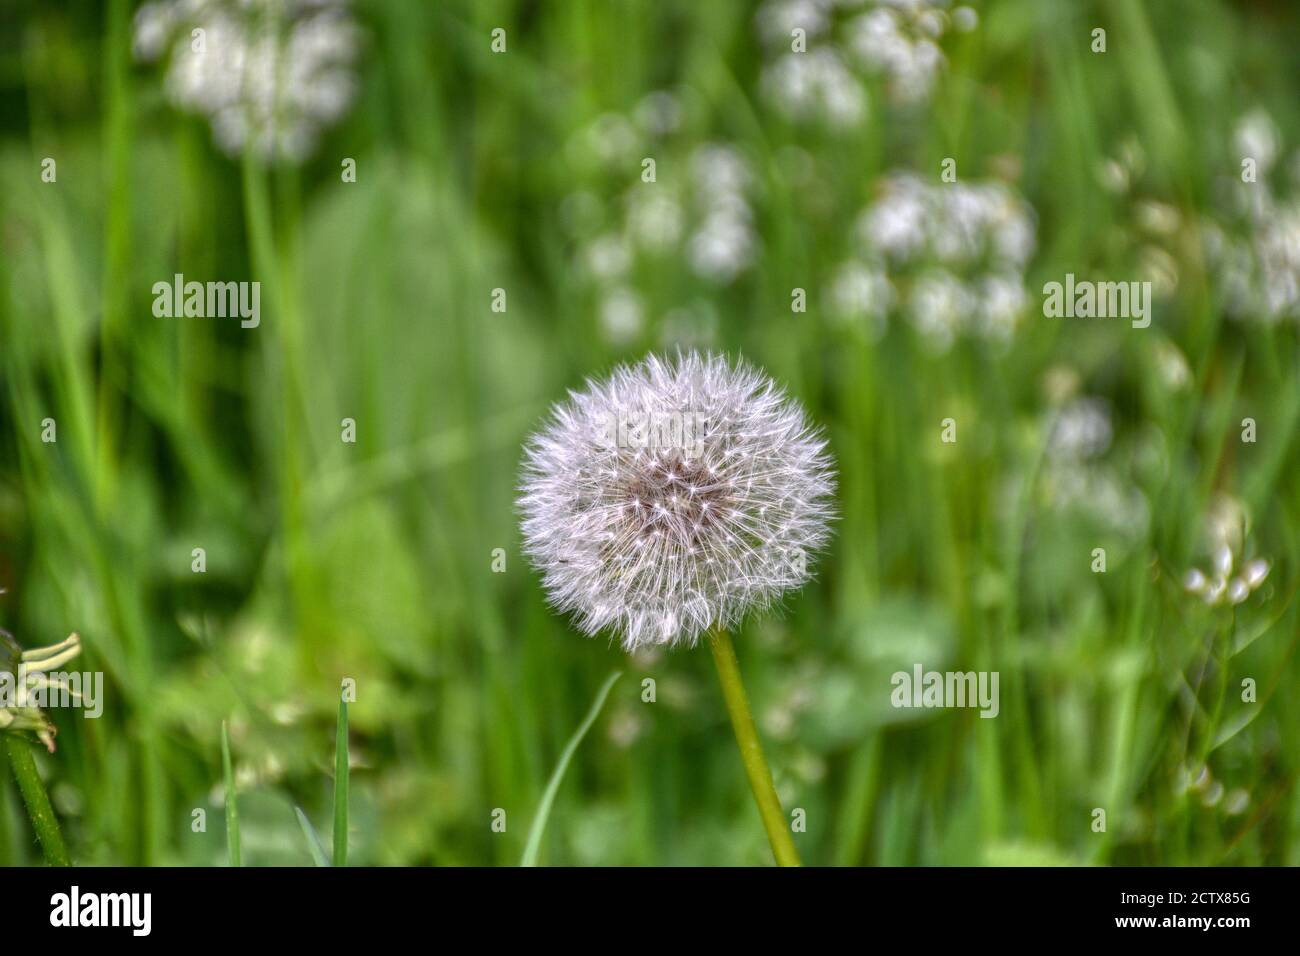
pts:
[659, 534]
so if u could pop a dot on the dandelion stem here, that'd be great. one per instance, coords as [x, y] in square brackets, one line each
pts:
[751, 751]
[44, 822]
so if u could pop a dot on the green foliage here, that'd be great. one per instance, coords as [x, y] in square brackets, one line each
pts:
[373, 560]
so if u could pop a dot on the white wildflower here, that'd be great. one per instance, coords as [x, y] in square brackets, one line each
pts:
[608, 257]
[898, 40]
[1258, 269]
[981, 233]
[815, 85]
[1256, 138]
[722, 247]
[1229, 580]
[939, 305]
[778, 19]
[1081, 430]
[659, 113]
[621, 316]
[860, 292]
[654, 218]
[266, 75]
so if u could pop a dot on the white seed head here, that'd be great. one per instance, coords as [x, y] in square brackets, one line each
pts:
[674, 497]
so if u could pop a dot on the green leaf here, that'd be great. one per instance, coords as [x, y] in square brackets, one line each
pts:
[232, 810]
[313, 841]
[553, 785]
[341, 787]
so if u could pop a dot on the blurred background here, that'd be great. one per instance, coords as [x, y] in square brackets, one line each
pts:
[452, 226]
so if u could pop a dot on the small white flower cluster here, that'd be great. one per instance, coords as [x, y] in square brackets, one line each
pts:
[706, 215]
[725, 243]
[266, 74]
[1080, 430]
[1256, 257]
[662, 543]
[1076, 475]
[816, 83]
[897, 39]
[1150, 231]
[1199, 781]
[900, 38]
[950, 255]
[1229, 581]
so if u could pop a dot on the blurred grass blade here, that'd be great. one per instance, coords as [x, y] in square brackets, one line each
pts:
[313, 841]
[553, 785]
[232, 811]
[39, 810]
[341, 787]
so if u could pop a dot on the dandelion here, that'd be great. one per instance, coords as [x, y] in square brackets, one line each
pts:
[32, 670]
[669, 502]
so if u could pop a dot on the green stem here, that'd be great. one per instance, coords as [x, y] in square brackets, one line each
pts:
[232, 808]
[341, 770]
[751, 751]
[44, 822]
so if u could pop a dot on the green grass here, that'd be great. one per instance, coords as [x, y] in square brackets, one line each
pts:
[533, 847]
[232, 803]
[375, 559]
[341, 771]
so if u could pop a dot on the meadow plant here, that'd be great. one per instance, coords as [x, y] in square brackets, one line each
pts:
[666, 543]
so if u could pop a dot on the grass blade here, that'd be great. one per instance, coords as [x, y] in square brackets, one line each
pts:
[313, 841]
[553, 785]
[232, 810]
[341, 787]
